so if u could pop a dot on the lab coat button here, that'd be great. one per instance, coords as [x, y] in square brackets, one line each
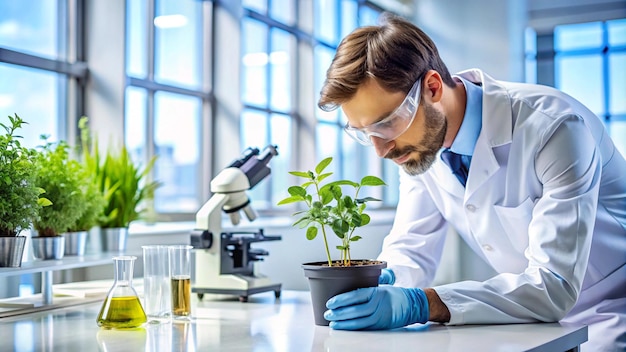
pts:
[487, 247]
[470, 208]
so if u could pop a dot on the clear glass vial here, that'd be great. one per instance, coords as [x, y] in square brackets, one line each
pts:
[122, 308]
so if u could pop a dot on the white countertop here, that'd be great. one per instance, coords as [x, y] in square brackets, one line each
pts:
[222, 323]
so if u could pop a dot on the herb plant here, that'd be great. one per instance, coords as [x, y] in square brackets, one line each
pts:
[327, 207]
[20, 197]
[123, 184]
[62, 178]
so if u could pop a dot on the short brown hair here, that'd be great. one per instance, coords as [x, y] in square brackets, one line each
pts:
[396, 53]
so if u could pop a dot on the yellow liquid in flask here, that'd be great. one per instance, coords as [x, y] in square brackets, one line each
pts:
[121, 313]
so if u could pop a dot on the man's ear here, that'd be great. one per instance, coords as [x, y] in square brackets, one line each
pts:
[432, 83]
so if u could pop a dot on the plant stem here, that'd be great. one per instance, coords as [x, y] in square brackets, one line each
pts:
[330, 262]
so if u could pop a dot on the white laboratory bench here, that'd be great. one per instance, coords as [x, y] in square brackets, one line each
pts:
[222, 323]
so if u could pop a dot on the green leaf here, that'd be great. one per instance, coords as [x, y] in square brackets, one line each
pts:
[372, 181]
[321, 177]
[355, 238]
[326, 196]
[291, 199]
[301, 174]
[311, 233]
[44, 202]
[296, 191]
[365, 219]
[322, 165]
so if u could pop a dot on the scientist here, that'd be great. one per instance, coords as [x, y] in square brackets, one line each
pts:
[525, 174]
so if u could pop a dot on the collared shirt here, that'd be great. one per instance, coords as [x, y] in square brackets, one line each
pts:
[465, 140]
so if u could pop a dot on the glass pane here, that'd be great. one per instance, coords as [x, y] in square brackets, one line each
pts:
[35, 96]
[530, 41]
[283, 11]
[254, 131]
[254, 134]
[617, 130]
[177, 138]
[349, 156]
[32, 27]
[578, 36]
[617, 84]
[257, 5]
[280, 135]
[254, 62]
[530, 70]
[391, 176]
[368, 16]
[136, 45]
[178, 42]
[135, 117]
[280, 66]
[617, 32]
[323, 58]
[581, 77]
[326, 140]
[349, 17]
[326, 21]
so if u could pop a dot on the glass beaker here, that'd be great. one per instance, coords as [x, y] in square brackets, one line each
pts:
[121, 308]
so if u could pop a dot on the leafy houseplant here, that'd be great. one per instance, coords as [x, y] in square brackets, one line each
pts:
[62, 178]
[20, 197]
[123, 185]
[328, 208]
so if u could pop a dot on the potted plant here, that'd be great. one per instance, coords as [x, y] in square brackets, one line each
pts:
[93, 208]
[61, 177]
[124, 186]
[329, 208]
[20, 197]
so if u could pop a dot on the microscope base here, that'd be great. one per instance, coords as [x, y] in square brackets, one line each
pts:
[242, 293]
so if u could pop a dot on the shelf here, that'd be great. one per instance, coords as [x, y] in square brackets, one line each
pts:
[68, 262]
[47, 267]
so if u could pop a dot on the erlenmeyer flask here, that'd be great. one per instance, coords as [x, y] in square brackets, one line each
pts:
[121, 308]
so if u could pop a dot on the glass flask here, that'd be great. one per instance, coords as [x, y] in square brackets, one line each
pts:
[121, 308]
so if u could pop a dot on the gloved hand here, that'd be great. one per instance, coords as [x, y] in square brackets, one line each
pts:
[377, 308]
[386, 277]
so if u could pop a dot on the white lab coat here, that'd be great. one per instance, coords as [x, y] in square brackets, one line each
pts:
[545, 206]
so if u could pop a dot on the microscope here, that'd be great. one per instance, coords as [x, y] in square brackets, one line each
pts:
[224, 261]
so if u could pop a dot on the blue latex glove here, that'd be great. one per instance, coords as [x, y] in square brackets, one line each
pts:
[386, 277]
[377, 308]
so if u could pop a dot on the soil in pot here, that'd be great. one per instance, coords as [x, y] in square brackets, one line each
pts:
[328, 281]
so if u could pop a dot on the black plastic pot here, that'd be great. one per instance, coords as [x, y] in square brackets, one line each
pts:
[326, 282]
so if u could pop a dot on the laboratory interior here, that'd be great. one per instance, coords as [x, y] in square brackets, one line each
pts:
[209, 109]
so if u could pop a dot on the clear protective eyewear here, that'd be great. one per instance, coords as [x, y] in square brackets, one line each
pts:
[392, 126]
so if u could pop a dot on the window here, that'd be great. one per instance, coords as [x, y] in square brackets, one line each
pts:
[276, 54]
[168, 97]
[588, 61]
[40, 64]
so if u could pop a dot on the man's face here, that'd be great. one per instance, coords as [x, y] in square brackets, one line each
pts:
[416, 148]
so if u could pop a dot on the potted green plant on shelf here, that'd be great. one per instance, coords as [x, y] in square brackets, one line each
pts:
[62, 178]
[20, 197]
[93, 209]
[328, 208]
[124, 185]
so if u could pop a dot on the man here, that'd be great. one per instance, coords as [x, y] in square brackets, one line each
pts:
[538, 192]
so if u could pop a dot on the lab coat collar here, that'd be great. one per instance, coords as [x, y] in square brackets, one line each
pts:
[496, 129]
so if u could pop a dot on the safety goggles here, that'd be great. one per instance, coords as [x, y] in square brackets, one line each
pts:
[392, 126]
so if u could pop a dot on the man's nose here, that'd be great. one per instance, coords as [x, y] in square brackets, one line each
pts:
[382, 146]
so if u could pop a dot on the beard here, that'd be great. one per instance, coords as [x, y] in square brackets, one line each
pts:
[435, 128]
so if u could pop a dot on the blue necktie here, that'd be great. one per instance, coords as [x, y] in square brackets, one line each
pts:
[453, 160]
